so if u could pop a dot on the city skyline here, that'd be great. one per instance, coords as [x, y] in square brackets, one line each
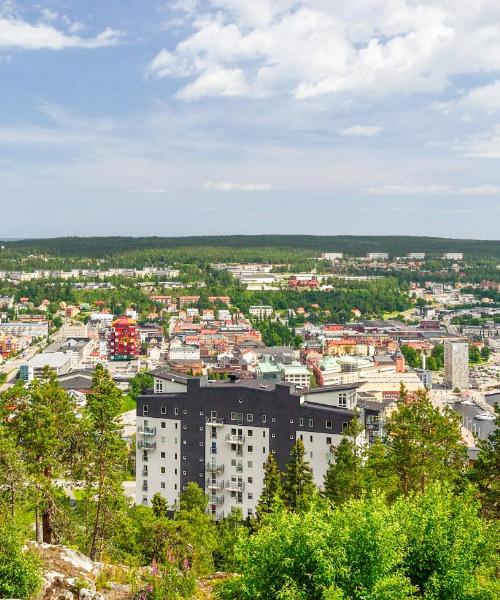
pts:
[224, 116]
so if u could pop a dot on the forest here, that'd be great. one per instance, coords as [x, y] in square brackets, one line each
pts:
[405, 518]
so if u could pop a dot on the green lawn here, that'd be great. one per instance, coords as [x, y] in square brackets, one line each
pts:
[128, 403]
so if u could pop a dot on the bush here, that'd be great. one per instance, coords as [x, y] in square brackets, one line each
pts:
[20, 570]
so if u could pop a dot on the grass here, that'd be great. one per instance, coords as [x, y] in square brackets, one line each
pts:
[128, 403]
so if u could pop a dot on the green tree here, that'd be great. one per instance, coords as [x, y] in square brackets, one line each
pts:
[159, 505]
[43, 425]
[139, 384]
[485, 352]
[412, 357]
[425, 442]
[13, 476]
[271, 489]
[20, 570]
[298, 483]
[343, 478]
[485, 472]
[474, 354]
[105, 461]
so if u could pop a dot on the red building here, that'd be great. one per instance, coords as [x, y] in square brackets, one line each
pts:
[124, 342]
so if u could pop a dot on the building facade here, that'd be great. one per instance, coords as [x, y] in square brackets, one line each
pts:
[124, 341]
[456, 364]
[219, 435]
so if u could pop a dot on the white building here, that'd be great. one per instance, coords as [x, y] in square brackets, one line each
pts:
[220, 434]
[377, 256]
[34, 329]
[261, 312]
[452, 256]
[416, 255]
[332, 255]
[456, 364]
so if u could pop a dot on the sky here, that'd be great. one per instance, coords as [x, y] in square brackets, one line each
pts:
[187, 117]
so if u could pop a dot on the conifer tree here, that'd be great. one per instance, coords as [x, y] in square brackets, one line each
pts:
[298, 484]
[425, 443]
[42, 423]
[485, 472]
[271, 489]
[343, 478]
[105, 461]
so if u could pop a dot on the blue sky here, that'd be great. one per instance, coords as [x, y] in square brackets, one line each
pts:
[188, 117]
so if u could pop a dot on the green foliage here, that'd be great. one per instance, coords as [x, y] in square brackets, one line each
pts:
[20, 570]
[485, 472]
[159, 505]
[168, 581]
[271, 489]
[104, 463]
[412, 357]
[343, 478]
[474, 354]
[425, 443]
[139, 384]
[230, 531]
[298, 483]
[432, 546]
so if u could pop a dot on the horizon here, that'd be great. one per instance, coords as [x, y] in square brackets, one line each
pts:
[195, 117]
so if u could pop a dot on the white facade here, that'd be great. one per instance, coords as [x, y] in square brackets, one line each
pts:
[456, 364]
[261, 312]
[452, 256]
[377, 256]
[416, 255]
[35, 329]
[158, 461]
[332, 255]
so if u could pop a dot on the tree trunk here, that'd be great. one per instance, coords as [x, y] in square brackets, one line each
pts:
[39, 528]
[48, 533]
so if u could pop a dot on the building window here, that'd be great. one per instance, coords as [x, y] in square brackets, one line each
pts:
[162, 485]
[343, 400]
[291, 420]
[250, 479]
[345, 425]
[264, 450]
[163, 424]
[329, 424]
[201, 413]
[213, 414]
[250, 464]
[236, 416]
[273, 419]
[264, 418]
[184, 458]
[329, 441]
[291, 437]
[273, 435]
[201, 444]
[250, 432]
[301, 421]
[310, 438]
[250, 417]
[163, 410]
[250, 448]
[176, 411]
[162, 454]
[201, 428]
[162, 470]
[250, 496]
[145, 410]
[311, 422]
[184, 412]
[175, 456]
[176, 426]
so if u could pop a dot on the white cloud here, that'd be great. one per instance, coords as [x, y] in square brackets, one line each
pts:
[226, 186]
[149, 191]
[308, 48]
[481, 98]
[223, 82]
[15, 33]
[361, 131]
[411, 189]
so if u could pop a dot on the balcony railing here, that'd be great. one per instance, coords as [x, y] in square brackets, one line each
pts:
[145, 430]
[235, 486]
[213, 468]
[214, 422]
[215, 485]
[216, 500]
[142, 445]
[235, 439]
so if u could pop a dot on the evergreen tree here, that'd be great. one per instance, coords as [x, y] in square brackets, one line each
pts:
[485, 472]
[159, 505]
[298, 484]
[13, 476]
[271, 489]
[425, 442]
[343, 478]
[105, 461]
[43, 425]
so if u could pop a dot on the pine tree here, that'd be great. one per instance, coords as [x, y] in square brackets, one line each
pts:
[43, 424]
[298, 484]
[13, 476]
[105, 461]
[425, 443]
[485, 472]
[271, 489]
[343, 478]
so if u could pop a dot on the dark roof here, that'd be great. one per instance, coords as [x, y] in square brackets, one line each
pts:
[164, 373]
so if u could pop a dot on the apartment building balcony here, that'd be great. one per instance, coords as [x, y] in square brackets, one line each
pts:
[215, 485]
[216, 500]
[214, 468]
[235, 486]
[214, 422]
[145, 430]
[143, 445]
[235, 439]
[144, 487]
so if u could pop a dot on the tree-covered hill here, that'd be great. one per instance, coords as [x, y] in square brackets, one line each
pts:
[351, 245]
